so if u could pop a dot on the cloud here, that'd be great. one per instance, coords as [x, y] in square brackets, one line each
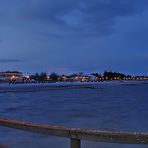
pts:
[75, 17]
[74, 34]
[9, 60]
[83, 16]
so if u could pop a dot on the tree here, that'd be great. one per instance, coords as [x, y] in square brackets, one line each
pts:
[43, 76]
[54, 76]
[112, 75]
[96, 75]
[39, 77]
[35, 77]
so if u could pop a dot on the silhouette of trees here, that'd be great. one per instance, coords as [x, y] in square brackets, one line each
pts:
[39, 77]
[43, 76]
[54, 76]
[113, 75]
[96, 75]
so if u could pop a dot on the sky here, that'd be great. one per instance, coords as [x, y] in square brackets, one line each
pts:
[67, 36]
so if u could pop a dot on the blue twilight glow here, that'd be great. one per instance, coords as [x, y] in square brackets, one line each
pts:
[74, 35]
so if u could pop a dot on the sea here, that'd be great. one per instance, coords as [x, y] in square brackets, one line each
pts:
[120, 107]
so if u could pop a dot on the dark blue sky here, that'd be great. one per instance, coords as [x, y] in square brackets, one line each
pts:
[74, 35]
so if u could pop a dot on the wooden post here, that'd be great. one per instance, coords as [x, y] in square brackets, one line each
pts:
[75, 143]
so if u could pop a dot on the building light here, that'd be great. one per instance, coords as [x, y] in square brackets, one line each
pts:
[64, 77]
[48, 77]
[27, 77]
[13, 77]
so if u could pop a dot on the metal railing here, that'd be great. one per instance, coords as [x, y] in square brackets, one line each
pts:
[78, 134]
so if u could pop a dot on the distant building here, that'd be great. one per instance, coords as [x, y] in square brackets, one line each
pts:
[85, 78]
[11, 76]
[63, 78]
[75, 77]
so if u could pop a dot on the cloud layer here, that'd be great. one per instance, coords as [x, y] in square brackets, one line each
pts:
[83, 16]
[74, 35]
[75, 16]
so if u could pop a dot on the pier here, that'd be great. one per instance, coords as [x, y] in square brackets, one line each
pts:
[77, 134]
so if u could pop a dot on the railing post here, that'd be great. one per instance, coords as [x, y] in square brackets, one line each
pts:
[75, 143]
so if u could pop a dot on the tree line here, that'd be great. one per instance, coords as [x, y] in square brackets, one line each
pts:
[44, 77]
[107, 75]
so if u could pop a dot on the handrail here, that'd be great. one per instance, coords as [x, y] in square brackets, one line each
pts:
[77, 134]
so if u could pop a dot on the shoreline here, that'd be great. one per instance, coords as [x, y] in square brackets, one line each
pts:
[31, 87]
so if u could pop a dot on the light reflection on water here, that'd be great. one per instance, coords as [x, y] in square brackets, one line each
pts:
[118, 108]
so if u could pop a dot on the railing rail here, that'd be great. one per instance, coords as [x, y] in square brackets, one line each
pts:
[78, 134]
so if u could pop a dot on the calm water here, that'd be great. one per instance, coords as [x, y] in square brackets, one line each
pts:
[112, 107]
